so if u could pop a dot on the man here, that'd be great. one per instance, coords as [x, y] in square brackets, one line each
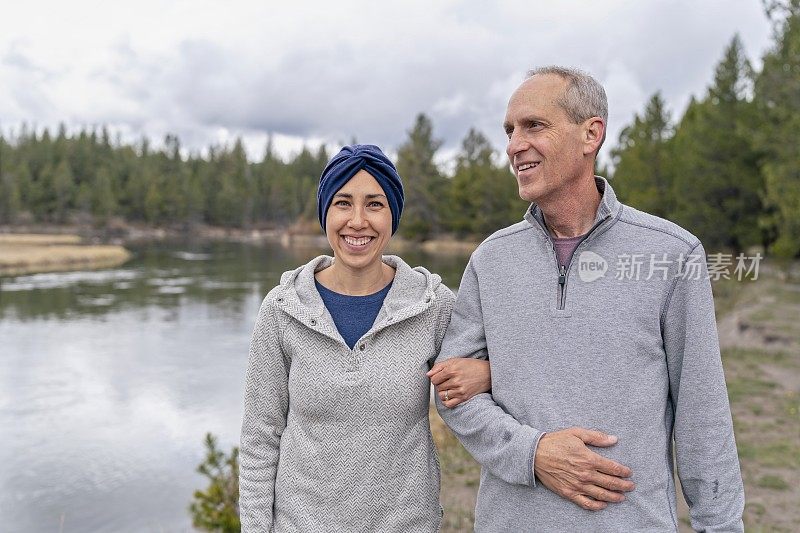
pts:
[598, 322]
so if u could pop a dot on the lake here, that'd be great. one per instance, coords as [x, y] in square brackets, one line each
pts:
[110, 379]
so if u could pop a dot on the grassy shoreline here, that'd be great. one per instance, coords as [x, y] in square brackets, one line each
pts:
[35, 253]
[297, 236]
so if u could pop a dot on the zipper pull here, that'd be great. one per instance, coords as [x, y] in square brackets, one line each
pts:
[562, 278]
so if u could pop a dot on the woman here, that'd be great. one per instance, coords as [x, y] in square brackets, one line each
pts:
[336, 434]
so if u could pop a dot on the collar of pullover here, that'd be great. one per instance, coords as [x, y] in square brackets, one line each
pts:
[413, 289]
[609, 206]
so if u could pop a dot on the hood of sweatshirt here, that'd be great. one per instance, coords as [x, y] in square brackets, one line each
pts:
[413, 290]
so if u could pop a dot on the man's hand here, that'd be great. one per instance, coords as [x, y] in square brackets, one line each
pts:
[565, 465]
[459, 379]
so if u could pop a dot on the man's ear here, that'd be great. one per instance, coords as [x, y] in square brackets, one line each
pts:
[594, 131]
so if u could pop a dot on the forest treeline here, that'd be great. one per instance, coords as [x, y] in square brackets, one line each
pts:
[728, 169]
[87, 178]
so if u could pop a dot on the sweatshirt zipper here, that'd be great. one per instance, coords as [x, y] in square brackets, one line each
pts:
[564, 271]
[562, 281]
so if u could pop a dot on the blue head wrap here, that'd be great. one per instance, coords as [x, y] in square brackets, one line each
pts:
[346, 164]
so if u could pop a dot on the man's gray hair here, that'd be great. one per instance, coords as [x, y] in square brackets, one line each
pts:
[584, 97]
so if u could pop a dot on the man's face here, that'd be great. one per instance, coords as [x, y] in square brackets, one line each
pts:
[545, 147]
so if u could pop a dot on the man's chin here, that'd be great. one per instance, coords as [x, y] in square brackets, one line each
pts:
[530, 194]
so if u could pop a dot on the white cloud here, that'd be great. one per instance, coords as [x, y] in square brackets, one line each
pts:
[625, 97]
[318, 72]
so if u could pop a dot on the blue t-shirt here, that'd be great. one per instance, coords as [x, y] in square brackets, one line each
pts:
[353, 315]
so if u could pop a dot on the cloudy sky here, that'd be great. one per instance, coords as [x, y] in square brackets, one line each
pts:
[327, 72]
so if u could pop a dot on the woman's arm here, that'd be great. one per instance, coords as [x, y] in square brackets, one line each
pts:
[266, 404]
[457, 379]
[460, 378]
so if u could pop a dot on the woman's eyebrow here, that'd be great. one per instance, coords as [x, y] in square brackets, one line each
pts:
[368, 196]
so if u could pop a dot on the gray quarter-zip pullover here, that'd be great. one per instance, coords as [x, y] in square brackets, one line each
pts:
[606, 344]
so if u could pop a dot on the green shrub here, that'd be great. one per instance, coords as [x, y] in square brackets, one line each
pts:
[217, 507]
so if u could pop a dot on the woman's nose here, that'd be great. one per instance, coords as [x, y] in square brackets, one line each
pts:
[357, 220]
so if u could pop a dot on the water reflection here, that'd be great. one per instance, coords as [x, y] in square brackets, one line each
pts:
[109, 380]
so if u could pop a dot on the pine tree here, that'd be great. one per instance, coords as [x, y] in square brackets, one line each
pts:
[777, 97]
[217, 507]
[245, 184]
[153, 199]
[63, 190]
[194, 194]
[231, 202]
[424, 185]
[483, 196]
[305, 170]
[263, 174]
[641, 175]
[102, 196]
[309, 213]
[10, 202]
[27, 191]
[44, 199]
[10, 198]
[83, 160]
[715, 168]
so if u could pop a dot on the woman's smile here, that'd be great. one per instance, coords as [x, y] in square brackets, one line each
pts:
[357, 242]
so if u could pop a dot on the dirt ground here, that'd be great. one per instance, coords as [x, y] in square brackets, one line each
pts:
[759, 330]
[760, 339]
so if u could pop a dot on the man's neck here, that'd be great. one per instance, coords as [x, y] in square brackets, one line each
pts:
[573, 212]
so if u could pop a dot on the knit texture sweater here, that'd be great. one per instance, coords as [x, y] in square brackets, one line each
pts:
[338, 439]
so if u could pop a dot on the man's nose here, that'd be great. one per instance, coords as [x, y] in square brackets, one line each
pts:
[516, 144]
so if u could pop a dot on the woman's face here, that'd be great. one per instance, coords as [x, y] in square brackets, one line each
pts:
[359, 222]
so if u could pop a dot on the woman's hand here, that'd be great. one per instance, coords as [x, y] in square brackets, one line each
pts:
[459, 379]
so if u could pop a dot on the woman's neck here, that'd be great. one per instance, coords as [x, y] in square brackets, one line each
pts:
[356, 282]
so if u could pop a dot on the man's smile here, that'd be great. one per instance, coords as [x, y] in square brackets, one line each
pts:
[526, 166]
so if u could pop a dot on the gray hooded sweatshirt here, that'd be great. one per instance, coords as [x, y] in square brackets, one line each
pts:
[335, 439]
[598, 345]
